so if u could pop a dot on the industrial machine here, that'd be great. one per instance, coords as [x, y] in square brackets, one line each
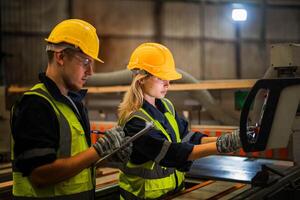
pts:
[269, 119]
[278, 124]
[277, 119]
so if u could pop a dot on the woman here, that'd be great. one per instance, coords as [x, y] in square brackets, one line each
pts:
[159, 158]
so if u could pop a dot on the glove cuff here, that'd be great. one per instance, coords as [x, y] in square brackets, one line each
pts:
[219, 145]
[98, 149]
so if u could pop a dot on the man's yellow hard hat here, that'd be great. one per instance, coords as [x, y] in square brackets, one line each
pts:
[79, 33]
[156, 59]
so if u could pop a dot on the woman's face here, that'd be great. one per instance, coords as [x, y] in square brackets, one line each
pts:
[154, 87]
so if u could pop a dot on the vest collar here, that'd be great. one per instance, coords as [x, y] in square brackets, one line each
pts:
[55, 92]
[156, 113]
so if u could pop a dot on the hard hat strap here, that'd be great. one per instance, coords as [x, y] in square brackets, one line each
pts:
[140, 71]
[60, 47]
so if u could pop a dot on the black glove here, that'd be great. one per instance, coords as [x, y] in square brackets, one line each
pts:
[113, 139]
[229, 142]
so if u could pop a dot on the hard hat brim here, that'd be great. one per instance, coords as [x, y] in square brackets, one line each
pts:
[99, 60]
[169, 76]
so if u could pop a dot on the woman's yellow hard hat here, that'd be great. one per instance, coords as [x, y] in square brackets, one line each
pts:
[156, 59]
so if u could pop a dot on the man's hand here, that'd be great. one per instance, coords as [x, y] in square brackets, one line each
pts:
[113, 139]
[121, 156]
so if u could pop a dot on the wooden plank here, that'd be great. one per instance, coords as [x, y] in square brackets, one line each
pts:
[103, 171]
[5, 165]
[108, 180]
[107, 89]
[214, 85]
[208, 191]
[17, 89]
[6, 184]
[227, 191]
[203, 85]
[179, 194]
[5, 171]
[215, 127]
[236, 192]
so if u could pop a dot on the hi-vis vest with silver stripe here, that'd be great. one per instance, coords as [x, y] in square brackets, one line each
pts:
[150, 180]
[72, 142]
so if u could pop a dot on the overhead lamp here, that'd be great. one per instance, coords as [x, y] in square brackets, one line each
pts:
[239, 14]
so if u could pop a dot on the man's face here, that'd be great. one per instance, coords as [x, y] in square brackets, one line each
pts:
[77, 68]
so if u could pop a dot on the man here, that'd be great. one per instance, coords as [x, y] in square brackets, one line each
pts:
[51, 153]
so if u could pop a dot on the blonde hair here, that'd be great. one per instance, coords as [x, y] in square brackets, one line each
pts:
[132, 100]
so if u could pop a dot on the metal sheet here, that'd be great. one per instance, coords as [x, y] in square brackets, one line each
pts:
[232, 168]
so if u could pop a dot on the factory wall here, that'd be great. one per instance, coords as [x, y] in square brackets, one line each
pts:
[200, 34]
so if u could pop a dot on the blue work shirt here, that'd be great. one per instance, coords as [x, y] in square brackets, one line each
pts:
[148, 146]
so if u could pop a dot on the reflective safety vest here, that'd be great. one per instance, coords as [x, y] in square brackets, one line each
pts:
[150, 180]
[72, 141]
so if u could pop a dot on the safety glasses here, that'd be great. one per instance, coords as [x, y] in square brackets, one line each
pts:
[85, 62]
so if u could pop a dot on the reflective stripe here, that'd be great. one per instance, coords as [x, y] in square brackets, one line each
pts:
[188, 137]
[169, 106]
[87, 195]
[141, 115]
[64, 128]
[163, 151]
[158, 125]
[128, 195]
[174, 125]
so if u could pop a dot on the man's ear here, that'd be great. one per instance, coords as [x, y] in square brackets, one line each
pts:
[59, 57]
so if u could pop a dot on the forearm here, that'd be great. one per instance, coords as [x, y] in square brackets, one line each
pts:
[63, 168]
[203, 150]
[208, 139]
